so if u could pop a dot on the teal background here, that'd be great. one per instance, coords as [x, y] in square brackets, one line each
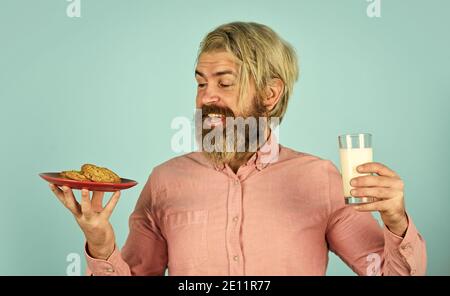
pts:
[105, 87]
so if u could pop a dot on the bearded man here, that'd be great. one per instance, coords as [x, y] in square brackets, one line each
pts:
[244, 204]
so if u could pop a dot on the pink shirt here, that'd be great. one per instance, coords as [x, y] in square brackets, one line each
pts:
[279, 215]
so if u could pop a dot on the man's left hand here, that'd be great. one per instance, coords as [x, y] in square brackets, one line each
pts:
[387, 187]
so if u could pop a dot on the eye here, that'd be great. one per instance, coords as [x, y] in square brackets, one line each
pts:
[225, 85]
[201, 85]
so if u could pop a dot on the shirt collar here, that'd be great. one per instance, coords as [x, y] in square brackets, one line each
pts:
[268, 153]
[265, 155]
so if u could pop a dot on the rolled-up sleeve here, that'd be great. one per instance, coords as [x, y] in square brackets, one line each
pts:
[405, 255]
[114, 265]
[145, 250]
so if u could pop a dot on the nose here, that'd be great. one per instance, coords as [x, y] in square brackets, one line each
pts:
[209, 96]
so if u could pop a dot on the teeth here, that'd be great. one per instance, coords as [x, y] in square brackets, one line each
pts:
[214, 119]
[214, 115]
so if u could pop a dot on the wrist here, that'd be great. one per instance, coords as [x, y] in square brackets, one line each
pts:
[102, 252]
[398, 226]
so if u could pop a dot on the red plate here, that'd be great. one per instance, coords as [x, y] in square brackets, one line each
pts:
[56, 179]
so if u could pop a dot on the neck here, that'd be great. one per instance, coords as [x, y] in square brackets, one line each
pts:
[236, 163]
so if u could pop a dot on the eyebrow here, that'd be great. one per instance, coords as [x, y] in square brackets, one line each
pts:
[219, 73]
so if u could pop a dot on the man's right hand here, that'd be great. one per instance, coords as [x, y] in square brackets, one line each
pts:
[92, 217]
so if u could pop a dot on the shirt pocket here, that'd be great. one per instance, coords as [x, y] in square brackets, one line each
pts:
[186, 238]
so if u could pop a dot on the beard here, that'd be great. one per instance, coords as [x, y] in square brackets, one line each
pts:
[226, 137]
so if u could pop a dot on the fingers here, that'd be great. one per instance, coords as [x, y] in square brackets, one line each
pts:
[379, 206]
[109, 208]
[377, 181]
[58, 192]
[86, 206]
[97, 201]
[377, 168]
[70, 202]
[377, 192]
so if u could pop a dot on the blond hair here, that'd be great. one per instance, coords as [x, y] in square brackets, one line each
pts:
[262, 55]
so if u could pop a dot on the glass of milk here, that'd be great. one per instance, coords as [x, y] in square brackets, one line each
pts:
[354, 150]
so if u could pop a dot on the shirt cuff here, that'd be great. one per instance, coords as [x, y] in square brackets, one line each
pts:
[403, 246]
[103, 267]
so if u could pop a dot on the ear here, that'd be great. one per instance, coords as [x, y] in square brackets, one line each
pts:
[274, 90]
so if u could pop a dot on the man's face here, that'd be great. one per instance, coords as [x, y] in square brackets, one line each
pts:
[218, 85]
[218, 98]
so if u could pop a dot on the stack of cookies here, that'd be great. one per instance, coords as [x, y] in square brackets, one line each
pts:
[91, 172]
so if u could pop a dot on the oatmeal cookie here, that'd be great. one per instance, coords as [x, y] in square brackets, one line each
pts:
[74, 175]
[99, 174]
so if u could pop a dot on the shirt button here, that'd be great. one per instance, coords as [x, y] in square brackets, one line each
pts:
[235, 219]
[236, 182]
[109, 270]
[235, 258]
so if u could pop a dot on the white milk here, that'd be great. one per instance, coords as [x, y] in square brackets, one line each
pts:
[350, 159]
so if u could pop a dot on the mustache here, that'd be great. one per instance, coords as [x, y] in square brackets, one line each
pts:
[225, 111]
